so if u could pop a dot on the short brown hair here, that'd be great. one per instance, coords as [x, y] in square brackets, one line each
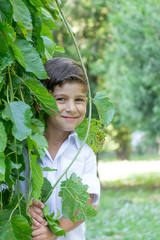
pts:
[62, 70]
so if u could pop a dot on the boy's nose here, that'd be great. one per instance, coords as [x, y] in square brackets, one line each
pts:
[70, 107]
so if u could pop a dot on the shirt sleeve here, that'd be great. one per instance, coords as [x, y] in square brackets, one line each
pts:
[90, 177]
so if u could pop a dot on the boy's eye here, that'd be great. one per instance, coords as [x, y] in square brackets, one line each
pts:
[60, 99]
[79, 100]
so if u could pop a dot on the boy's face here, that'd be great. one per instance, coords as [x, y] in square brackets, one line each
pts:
[71, 101]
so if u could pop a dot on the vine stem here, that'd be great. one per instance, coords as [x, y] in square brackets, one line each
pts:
[89, 95]
[15, 207]
[15, 143]
[10, 85]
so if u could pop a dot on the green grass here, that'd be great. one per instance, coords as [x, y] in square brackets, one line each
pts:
[133, 157]
[129, 210]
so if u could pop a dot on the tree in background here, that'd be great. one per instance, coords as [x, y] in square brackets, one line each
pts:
[131, 66]
[89, 21]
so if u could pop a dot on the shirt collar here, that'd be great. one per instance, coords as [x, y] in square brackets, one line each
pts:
[74, 136]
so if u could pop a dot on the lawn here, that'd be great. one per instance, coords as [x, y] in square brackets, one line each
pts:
[129, 210]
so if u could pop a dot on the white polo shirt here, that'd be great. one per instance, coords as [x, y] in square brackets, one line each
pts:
[85, 166]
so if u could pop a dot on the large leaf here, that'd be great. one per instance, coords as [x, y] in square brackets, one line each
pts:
[32, 60]
[104, 107]
[37, 178]
[2, 166]
[42, 94]
[22, 16]
[96, 137]
[7, 32]
[49, 47]
[39, 142]
[17, 228]
[3, 137]
[6, 10]
[20, 115]
[74, 197]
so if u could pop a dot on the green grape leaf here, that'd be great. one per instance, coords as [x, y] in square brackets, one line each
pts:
[6, 11]
[53, 223]
[96, 137]
[39, 142]
[74, 197]
[21, 15]
[3, 137]
[104, 107]
[20, 115]
[42, 94]
[46, 188]
[37, 178]
[16, 228]
[31, 58]
[8, 33]
[2, 166]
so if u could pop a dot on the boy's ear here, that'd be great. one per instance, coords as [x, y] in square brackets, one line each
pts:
[37, 107]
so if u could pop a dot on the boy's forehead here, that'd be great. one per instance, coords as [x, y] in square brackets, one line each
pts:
[71, 87]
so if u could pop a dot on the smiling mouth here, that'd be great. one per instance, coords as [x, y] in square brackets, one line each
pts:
[69, 118]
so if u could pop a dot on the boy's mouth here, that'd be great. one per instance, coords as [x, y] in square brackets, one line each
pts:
[69, 118]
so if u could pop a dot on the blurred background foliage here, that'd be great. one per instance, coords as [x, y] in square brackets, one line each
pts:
[120, 42]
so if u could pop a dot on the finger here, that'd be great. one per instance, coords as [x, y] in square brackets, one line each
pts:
[38, 219]
[39, 204]
[36, 210]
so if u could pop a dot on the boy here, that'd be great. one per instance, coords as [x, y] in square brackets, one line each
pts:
[68, 86]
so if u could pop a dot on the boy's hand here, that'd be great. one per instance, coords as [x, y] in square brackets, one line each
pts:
[42, 233]
[36, 213]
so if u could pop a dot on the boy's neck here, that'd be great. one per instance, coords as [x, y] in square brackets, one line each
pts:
[55, 139]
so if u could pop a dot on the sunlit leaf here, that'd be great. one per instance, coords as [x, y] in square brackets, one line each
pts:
[104, 107]
[37, 178]
[74, 197]
[2, 166]
[42, 94]
[6, 11]
[32, 60]
[20, 115]
[96, 137]
[3, 137]
[21, 15]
